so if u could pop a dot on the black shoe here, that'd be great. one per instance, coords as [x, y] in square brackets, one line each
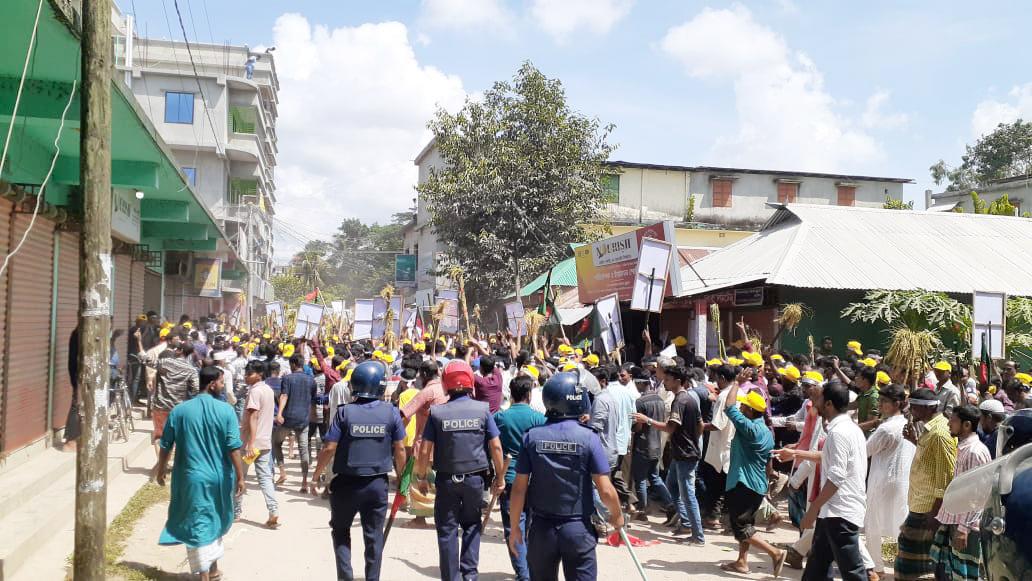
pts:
[674, 521]
[641, 516]
[681, 531]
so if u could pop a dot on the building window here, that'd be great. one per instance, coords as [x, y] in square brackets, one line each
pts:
[846, 195]
[721, 193]
[787, 192]
[191, 175]
[179, 107]
[611, 188]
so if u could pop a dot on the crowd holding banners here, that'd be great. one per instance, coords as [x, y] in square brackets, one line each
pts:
[709, 444]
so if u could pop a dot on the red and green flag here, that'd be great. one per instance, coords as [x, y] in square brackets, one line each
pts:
[985, 363]
[547, 308]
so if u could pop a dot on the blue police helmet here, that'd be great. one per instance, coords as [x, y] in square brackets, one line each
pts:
[369, 380]
[564, 397]
[1015, 432]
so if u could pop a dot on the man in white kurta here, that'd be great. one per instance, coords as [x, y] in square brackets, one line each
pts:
[891, 455]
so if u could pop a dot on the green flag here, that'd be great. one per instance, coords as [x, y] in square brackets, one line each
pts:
[547, 308]
[406, 477]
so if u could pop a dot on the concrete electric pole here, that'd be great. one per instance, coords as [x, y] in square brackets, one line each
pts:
[94, 292]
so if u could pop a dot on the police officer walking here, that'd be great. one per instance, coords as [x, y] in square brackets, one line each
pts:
[558, 464]
[459, 434]
[362, 439]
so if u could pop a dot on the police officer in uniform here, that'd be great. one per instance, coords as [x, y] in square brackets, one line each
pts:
[459, 435]
[559, 462]
[362, 440]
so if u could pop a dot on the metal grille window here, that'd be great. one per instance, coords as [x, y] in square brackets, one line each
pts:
[179, 108]
[243, 119]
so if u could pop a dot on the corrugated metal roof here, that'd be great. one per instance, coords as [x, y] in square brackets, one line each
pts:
[834, 247]
[563, 274]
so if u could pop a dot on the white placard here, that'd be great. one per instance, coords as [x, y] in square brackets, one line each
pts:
[380, 313]
[408, 318]
[650, 281]
[425, 298]
[275, 309]
[515, 318]
[363, 319]
[309, 319]
[988, 318]
[609, 309]
[337, 307]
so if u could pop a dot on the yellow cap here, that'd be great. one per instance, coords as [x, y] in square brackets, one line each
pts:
[406, 341]
[735, 361]
[855, 347]
[814, 376]
[754, 400]
[753, 359]
[387, 358]
[1024, 378]
[267, 335]
[347, 376]
[315, 362]
[427, 336]
[287, 349]
[569, 366]
[141, 317]
[715, 362]
[680, 341]
[943, 366]
[188, 325]
[790, 372]
[565, 349]
[235, 339]
[883, 378]
[591, 360]
[869, 362]
[419, 347]
[166, 325]
[164, 333]
[336, 339]
[579, 352]
[776, 357]
[377, 354]
[532, 371]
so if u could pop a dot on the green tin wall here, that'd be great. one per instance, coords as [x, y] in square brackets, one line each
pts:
[825, 319]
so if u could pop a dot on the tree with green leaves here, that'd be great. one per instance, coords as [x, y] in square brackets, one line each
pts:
[521, 172]
[1004, 153]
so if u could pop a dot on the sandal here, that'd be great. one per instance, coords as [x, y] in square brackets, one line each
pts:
[779, 563]
[730, 568]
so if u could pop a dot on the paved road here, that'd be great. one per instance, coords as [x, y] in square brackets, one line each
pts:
[301, 548]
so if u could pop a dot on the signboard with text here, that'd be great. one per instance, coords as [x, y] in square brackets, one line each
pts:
[208, 277]
[125, 215]
[405, 270]
[609, 266]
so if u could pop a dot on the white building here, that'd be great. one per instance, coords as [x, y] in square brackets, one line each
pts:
[643, 193]
[1018, 190]
[735, 197]
[221, 126]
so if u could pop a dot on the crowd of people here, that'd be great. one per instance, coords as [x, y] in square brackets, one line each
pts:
[574, 444]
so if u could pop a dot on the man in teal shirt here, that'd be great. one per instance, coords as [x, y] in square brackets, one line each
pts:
[513, 424]
[207, 472]
[747, 476]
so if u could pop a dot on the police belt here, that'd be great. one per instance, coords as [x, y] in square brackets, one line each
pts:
[458, 478]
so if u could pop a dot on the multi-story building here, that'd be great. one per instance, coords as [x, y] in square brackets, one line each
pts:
[217, 111]
[710, 206]
[1018, 190]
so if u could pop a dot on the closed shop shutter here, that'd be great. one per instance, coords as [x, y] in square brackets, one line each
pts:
[28, 333]
[152, 291]
[123, 316]
[67, 319]
[6, 207]
[136, 290]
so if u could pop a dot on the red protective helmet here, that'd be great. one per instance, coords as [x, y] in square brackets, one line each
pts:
[457, 375]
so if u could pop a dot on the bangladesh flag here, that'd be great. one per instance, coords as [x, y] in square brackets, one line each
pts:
[591, 327]
[406, 477]
[986, 362]
[547, 307]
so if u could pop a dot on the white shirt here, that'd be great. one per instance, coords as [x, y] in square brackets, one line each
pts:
[844, 463]
[718, 454]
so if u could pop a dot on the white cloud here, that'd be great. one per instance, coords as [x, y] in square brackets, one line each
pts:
[466, 14]
[561, 18]
[990, 112]
[875, 117]
[786, 118]
[354, 103]
[788, 6]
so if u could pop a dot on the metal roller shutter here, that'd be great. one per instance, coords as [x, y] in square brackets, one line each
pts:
[123, 316]
[136, 290]
[28, 333]
[6, 213]
[67, 319]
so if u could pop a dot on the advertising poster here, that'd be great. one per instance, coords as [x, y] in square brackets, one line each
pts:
[208, 277]
[609, 266]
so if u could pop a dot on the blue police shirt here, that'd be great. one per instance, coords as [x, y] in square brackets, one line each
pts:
[598, 462]
[491, 430]
[334, 433]
[513, 424]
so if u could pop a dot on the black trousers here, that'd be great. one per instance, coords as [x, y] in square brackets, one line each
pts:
[616, 476]
[835, 540]
[713, 484]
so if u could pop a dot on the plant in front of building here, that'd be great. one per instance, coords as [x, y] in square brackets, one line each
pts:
[922, 325]
[521, 171]
[1018, 338]
[896, 204]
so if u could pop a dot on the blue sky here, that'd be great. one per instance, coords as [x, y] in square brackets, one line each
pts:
[878, 88]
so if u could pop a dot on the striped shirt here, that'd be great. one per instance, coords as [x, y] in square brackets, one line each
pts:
[971, 453]
[933, 465]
